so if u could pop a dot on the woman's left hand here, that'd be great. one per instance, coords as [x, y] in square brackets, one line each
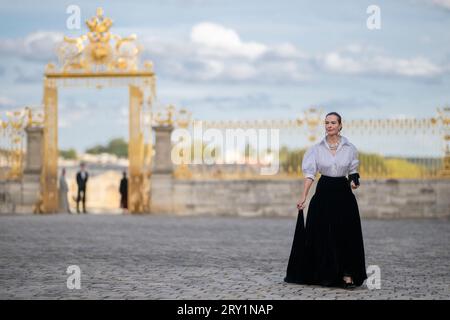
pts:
[354, 186]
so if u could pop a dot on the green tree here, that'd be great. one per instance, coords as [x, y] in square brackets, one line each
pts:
[70, 154]
[117, 146]
[96, 149]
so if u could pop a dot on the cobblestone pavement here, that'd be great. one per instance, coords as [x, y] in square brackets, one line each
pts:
[166, 257]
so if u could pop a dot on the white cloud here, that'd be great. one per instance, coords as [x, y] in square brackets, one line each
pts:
[216, 40]
[212, 52]
[413, 67]
[288, 51]
[355, 59]
[38, 45]
[242, 71]
[217, 53]
[335, 62]
[442, 3]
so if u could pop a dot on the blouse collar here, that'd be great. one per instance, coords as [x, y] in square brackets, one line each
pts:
[344, 141]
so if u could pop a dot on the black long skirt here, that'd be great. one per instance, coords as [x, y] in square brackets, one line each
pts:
[330, 246]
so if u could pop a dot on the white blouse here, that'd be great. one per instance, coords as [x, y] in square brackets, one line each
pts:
[319, 158]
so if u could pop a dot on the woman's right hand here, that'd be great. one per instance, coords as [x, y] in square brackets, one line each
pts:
[301, 204]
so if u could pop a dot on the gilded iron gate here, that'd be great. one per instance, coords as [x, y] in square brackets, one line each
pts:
[100, 59]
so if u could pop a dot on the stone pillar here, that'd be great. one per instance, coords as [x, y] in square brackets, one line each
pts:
[31, 186]
[161, 181]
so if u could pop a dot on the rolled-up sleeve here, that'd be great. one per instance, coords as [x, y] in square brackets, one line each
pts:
[309, 165]
[354, 164]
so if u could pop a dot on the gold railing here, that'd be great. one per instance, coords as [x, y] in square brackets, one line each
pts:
[377, 136]
[13, 141]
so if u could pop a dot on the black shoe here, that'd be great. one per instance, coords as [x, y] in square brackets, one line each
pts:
[349, 285]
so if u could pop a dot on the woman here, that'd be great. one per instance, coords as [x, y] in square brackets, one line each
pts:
[63, 190]
[329, 250]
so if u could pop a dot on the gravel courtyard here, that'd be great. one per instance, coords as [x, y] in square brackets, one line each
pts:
[168, 257]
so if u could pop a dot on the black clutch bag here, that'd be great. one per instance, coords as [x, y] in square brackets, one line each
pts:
[353, 177]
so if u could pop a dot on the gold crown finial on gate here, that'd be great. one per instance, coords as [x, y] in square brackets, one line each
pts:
[311, 119]
[98, 50]
[99, 24]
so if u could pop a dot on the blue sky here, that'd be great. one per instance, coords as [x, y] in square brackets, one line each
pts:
[241, 59]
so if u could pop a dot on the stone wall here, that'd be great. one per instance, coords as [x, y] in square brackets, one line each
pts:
[376, 199]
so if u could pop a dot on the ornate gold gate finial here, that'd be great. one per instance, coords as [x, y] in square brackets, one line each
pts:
[99, 50]
[311, 118]
[172, 116]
